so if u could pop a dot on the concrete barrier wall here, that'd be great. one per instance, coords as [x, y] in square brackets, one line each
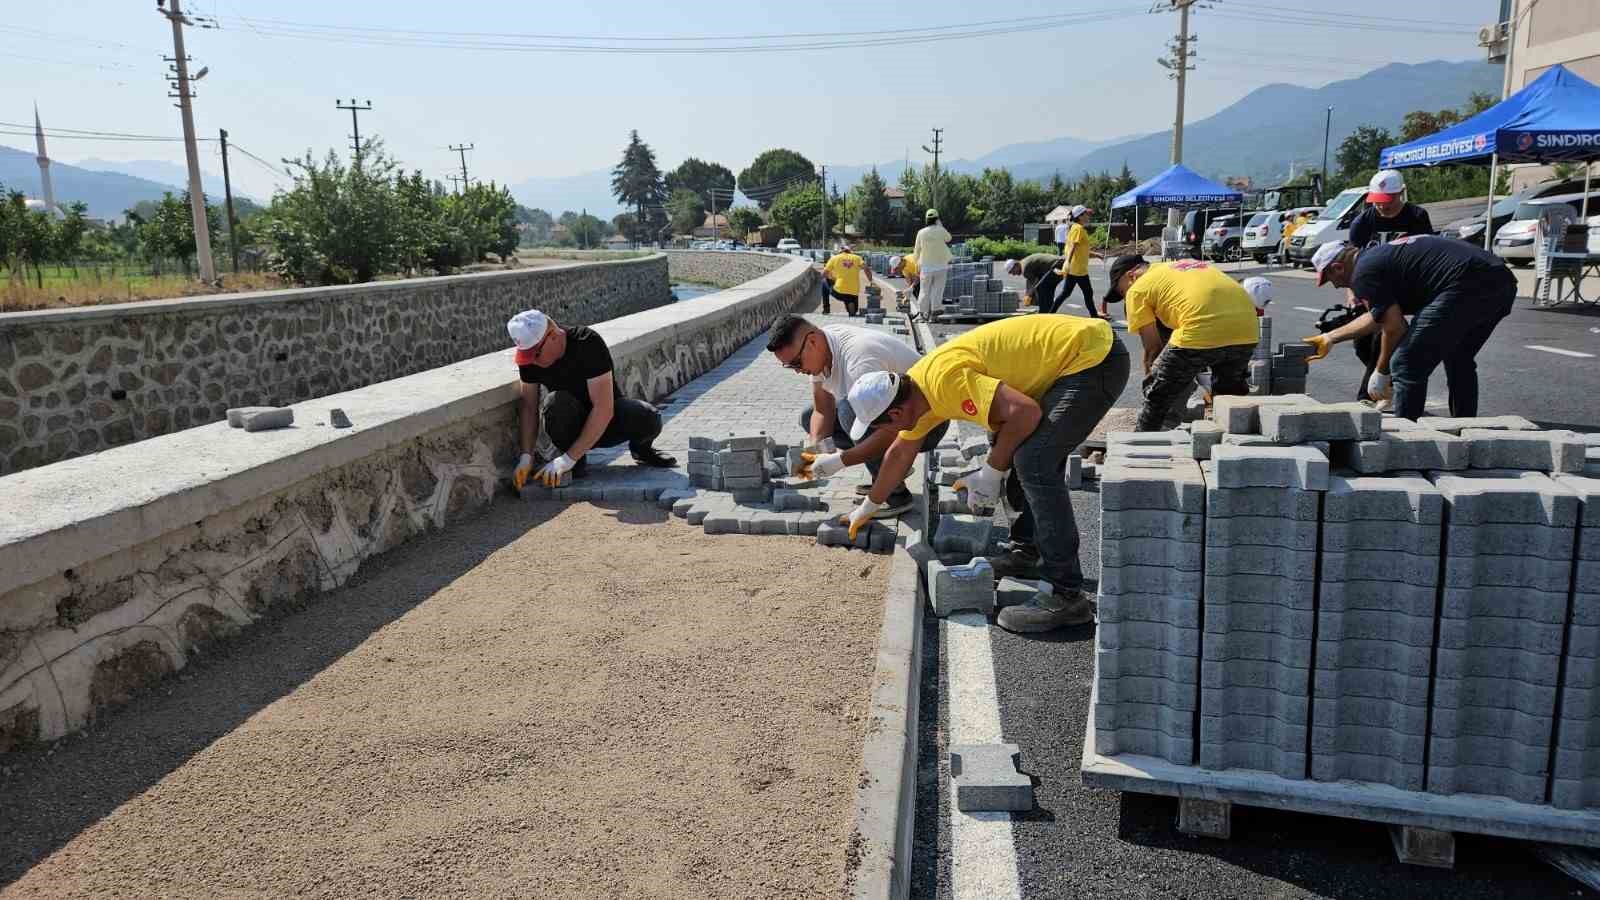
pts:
[723, 268]
[115, 567]
[74, 381]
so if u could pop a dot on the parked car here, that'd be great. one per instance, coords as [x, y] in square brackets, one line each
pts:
[1517, 240]
[1224, 239]
[1470, 228]
[1263, 233]
[1332, 224]
[788, 245]
[1195, 223]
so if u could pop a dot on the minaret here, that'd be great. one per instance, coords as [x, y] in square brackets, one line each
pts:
[44, 163]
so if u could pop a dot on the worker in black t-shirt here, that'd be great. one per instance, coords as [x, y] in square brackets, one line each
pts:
[1455, 292]
[586, 407]
[1389, 215]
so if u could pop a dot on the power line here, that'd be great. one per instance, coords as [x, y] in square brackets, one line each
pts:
[98, 137]
[1344, 16]
[234, 145]
[1279, 17]
[93, 132]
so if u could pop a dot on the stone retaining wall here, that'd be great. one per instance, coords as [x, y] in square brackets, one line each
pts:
[75, 381]
[723, 268]
[115, 567]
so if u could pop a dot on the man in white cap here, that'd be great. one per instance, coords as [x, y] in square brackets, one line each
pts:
[586, 408]
[1075, 267]
[1456, 293]
[932, 251]
[836, 357]
[1260, 291]
[1039, 385]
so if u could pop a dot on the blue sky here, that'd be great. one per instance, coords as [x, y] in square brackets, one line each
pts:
[95, 64]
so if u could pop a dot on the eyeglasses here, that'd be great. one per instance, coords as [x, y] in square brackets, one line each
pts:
[794, 364]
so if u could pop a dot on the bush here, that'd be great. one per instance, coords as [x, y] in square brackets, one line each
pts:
[1006, 248]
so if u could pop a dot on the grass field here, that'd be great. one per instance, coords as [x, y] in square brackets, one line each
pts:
[97, 285]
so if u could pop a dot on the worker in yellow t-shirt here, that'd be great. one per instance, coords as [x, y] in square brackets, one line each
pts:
[1075, 267]
[1213, 326]
[843, 272]
[1039, 385]
[906, 267]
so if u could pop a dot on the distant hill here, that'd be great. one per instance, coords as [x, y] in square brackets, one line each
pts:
[1263, 131]
[106, 193]
[589, 190]
[161, 172]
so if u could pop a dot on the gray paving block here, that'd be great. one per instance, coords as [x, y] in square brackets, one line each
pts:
[1260, 618]
[1483, 570]
[793, 460]
[1149, 636]
[1392, 422]
[748, 442]
[1164, 608]
[670, 497]
[1394, 566]
[974, 447]
[875, 536]
[1147, 664]
[236, 414]
[1374, 595]
[1234, 753]
[1127, 714]
[1204, 437]
[1533, 499]
[808, 523]
[1150, 580]
[963, 534]
[1174, 438]
[723, 521]
[1457, 425]
[1251, 588]
[1416, 450]
[955, 588]
[1156, 693]
[1226, 561]
[1129, 524]
[1533, 638]
[708, 458]
[1013, 592]
[1152, 552]
[680, 508]
[1175, 485]
[707, 444]
[1241, 415]
[266, 419]
[743, 464]
[1461, 663]
[1074, 472]
[770, 523]
[1321, 422]
[1397, 696]
[1539, 451]
[1293, 467]
[1267, 503]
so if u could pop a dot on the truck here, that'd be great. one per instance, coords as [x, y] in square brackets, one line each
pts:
[765, 236]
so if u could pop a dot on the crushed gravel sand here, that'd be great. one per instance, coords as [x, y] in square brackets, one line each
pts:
[545, 701]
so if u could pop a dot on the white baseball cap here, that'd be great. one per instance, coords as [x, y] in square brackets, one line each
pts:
[869, 397]
[1079, 210]
[527, 328]
[1385, 186]
[1325, 254]
[1259, 289]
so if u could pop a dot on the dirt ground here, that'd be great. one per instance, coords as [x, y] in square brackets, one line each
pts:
[543, 702]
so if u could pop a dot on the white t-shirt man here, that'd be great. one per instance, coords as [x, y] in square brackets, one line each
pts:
[858, 351]
[1061, 233]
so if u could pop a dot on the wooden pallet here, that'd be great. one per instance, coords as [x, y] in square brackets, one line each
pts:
[1422, 825]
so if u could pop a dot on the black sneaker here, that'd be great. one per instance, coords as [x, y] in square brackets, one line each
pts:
[895, 505]
[1018, 562]
[655, 459]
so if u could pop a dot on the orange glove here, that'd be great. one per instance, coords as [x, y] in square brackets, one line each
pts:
[524, 469]
[1320, 342]
[860, 516]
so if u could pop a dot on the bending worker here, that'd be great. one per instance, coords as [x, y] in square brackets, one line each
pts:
[1456, 293]
[932, 251]
[586, 409]
[1388, 215]
[1213, 323]
[836, 357]
[1039, 385]
[843, 272]
[1075, 271]
[1040, 275]
[906, 267]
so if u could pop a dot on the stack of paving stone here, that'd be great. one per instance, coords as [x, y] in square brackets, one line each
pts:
[1261, 360]
[1421, 614]
[742, 465]
[1289, 368]
[874, 308]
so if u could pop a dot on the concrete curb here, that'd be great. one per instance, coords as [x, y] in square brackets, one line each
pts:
[878, 853]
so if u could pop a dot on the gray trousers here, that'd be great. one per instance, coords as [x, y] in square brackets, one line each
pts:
[1037, 487]
[844, 418]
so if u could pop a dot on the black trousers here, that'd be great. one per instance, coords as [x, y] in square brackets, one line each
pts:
[632, 421]
[851, 301]
[1044, 293]
[1067, 286]
[1171, 380]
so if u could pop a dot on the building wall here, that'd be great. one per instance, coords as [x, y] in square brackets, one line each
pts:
[1564, 32]
[76, 381]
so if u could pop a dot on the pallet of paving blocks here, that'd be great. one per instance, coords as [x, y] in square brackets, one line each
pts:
[1344, 613]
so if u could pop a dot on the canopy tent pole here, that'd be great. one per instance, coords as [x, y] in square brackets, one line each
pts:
[1585, 215]
[1488, 211]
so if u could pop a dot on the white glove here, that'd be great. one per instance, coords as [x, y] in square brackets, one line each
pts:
[860, 516]
[983, 487]
[827, 464]
[523, 470]
[554, 469]
[1380, 386]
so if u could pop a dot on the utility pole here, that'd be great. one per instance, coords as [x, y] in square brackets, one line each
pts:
[180, 84]
[1179, 66]
[824, 240]
[227, 193]
[1322, 178]
[716, 233]
[933, 183]
[581, 216]
[456, 180]
[355, 124]
[462, 149]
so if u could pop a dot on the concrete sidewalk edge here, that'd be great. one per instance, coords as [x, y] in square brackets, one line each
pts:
[878, 853]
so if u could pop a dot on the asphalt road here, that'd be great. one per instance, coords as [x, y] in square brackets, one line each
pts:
[1089, 842]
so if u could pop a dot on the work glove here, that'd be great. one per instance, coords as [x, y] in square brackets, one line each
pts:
[860, 516]
[554, 469]
[820, 465]
[1380, 386]
[524, 469]
[983, 487]
[1320, 342]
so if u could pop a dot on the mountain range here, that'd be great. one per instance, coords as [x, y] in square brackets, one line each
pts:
[107, 187]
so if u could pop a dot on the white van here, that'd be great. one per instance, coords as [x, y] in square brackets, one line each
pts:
[1264, 231]
[1517, 240]
[1333, 224]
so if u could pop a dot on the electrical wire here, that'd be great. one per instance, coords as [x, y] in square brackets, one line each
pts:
[95, 137]
[1343, 16]
[233, 145]
[1281, 18]
[92, 132]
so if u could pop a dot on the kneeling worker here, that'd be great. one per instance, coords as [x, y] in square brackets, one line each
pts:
[836, 357]
[586, 408]
[1213, 323]
[843, 272]
[1455, 292]
[1039, 385]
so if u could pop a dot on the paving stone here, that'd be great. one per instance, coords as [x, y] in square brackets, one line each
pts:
[761, 492]
[807, 523]
[794, 461]
[1204, 436]
[723, 521]
[985, 778]
[1017, 592]
[1294, 467]
[1241, 415]
[1540, 451]
[1150, 580]
[257, 419]
[1321, 422]
[1393, 422]
[236, 415]
[1149, 636]
[771, 523]
[706, 444]
[1457, 425]
[1164, 608]
[1150, 523]
[875, 536]
[742, 464]
[1514, 498]
[1415, 450]
[1074, 472]
[1147, 438]
[748, 442]
[963, 587]
[1148, 551]
[680, 508]
[1170, 485]
[963, 534]
[671, 497]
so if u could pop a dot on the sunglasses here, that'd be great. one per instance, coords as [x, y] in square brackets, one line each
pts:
[794, 364]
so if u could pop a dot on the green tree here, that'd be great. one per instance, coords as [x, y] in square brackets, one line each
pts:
[773, 172]
[67, 233]
[687, 211]
[703, 179]
[1358, 152]
[587, 231]
[799, 211]
[636, 181]
[871, 206]
[536, 224]
[169, 232]
[743, 219]
[486, 217]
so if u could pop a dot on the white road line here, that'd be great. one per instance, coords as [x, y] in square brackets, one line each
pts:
[1559, 352]
[983, 859]
[1307, 309]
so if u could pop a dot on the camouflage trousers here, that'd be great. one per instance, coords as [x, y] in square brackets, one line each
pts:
[1171, 381]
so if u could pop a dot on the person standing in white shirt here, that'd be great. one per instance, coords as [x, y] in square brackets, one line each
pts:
[1061, 237]
[933, 256]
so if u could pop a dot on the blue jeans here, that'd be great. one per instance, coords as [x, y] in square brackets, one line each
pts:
[1037, 487]
[844, 418]
[1451, 330]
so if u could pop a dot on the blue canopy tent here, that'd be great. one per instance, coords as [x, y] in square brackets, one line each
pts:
[1554, 119]
[1178, 187]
